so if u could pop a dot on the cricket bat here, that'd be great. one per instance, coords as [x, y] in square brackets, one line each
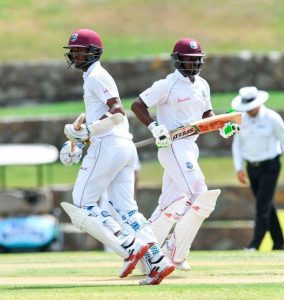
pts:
[203, 126]
[77, 125]
[79, 121]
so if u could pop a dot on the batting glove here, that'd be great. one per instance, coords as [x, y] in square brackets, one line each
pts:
[161, 134]
[70, 154]
[229, 129]
[74, 135]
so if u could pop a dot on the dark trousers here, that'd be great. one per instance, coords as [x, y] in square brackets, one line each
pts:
[263, 179]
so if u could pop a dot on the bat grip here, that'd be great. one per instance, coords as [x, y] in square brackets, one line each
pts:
[145, 143]
[77, 125]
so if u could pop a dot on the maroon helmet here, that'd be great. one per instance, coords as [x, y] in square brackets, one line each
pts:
[187, 56]
[88, 39]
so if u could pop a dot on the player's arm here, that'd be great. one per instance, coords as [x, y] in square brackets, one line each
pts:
[160, 132]
[140, 109]
[238, 159]
[99, 127]
[115, 106]
[208, 113]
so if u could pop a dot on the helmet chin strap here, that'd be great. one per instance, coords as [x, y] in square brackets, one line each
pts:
[84, 64]
[189, 72]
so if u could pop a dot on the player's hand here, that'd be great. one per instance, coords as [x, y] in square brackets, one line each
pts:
[242, 177]
[69, 154]
[74, 135]
[229, 129]
[161, 134]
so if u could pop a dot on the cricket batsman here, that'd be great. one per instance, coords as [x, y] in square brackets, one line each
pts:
[108, 166]
[185, 202]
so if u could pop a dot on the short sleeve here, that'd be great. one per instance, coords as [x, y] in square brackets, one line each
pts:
[156, 94]
[103, 89]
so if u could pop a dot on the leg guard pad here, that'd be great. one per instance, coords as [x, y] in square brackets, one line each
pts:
[99, 225]
[163, 221]
[187, 228]
[134, 223]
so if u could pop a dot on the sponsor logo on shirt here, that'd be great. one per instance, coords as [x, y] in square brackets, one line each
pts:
[183, 99]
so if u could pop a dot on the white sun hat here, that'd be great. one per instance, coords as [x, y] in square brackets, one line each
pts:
[249, 98]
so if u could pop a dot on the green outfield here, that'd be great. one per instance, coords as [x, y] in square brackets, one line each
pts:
[220, 101]
[94, 275]
[150, 174]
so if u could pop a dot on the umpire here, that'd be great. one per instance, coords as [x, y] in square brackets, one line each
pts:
[258, 146]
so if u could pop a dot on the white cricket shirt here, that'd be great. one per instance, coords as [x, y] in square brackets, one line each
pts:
[259, 139]
[178, 100]
[99, 87]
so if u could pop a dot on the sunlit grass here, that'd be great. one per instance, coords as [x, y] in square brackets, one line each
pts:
[94, 275]
[220, 101]
[150, 174]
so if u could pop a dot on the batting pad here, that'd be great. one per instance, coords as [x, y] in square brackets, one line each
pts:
[104, 125]
[163, 224]
[187, 228]
[136, 225]
[94, 226]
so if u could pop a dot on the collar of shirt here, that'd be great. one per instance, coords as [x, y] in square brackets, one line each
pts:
[96, 64]
[184, 78]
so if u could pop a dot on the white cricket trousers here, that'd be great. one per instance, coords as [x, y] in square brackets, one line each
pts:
[183, 177]
[108, 166]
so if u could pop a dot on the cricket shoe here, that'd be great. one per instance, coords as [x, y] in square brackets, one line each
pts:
[183, 266]
[160, 269]
[136, 252]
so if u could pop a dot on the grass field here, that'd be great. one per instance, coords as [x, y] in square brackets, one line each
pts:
[37, 30]
[220, 101]
[150, 174]
[94, 275]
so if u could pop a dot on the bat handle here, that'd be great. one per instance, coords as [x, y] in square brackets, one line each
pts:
[77, 125]
[145, 143]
